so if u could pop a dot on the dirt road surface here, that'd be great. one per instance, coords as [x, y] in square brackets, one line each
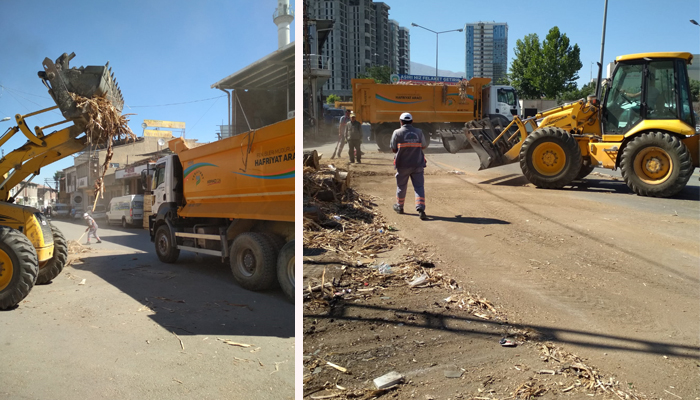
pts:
[593, 269]
[119, 324]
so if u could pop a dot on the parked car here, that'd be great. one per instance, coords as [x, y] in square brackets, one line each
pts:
[60, 210]
[126, 210]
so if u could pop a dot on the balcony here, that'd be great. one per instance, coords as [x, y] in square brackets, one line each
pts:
[286, 12]
[317, 66]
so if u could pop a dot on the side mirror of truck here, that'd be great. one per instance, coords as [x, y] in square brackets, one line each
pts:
[144, 180]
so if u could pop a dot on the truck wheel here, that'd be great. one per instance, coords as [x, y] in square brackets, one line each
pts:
[383, 138]
[586, 168]
[55, 265]
[656, 164]
[550, 158]
[253, 260]
[166, 250]
[19, 267]
[285, 270]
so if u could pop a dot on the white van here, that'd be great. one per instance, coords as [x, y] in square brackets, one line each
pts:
[126, 210]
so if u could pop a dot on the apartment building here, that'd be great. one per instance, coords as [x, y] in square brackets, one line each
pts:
[487, 50]
[362, 36]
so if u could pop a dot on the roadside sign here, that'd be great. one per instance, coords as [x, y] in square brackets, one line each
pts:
[154, 123]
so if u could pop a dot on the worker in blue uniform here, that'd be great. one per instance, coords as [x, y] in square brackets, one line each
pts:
[408, 143]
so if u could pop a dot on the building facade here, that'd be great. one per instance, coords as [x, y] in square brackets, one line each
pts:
[487, 50]
[362, 37]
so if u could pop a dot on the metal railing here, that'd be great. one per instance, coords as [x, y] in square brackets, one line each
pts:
[285, 10]
[317, 61]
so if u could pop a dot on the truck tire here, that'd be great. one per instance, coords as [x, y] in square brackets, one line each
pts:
[253, 261]
[383, 138]
[656, 164]
[166, 250]
[550, 158]
[55, 265]
[19, 267]
[285, 270]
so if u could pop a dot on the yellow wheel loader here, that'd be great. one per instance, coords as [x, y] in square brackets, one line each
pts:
[32, 251]
[645, 126]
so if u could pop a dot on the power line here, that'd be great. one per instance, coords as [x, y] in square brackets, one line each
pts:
[177, 104]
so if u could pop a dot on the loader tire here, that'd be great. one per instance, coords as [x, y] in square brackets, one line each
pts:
[166, 250]
[253, 261]
[586, 168]
[656, 164]
[19, 267]
[60, 255]
[285, 270]
[550, 158]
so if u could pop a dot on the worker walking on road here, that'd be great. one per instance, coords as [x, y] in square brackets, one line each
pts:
[408, 144]
[341, 133]
[353, 132]
[91, 229]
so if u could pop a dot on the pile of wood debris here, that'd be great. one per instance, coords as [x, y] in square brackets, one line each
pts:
[105, 125]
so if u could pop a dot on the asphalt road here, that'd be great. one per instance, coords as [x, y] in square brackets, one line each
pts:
[119, 324]
[610, 275]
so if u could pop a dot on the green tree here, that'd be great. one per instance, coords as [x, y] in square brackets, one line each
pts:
[577, 94]
[547, 69]
[380, 74]
[522, 75]
[332, 98]
[695, 90]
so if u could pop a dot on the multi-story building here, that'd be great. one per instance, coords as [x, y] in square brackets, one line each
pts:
[404, 51]
[487, 50]
[362, 37]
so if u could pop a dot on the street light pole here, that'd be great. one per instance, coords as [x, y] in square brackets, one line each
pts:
[437, 37]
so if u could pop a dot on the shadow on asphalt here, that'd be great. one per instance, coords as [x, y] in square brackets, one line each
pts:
[463, 220]
[473, 326]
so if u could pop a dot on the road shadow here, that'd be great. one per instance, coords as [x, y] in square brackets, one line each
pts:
[463, 220]
[196, 296]
[468, 325]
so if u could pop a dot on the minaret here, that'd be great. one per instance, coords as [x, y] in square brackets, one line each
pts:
[282, 17]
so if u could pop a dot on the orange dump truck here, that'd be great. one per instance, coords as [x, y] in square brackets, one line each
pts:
[232, 198]
[436, 109]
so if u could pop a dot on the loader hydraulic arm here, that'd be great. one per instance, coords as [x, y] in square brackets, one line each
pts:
[39, 151]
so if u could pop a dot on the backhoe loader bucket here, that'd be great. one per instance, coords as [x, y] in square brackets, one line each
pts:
[481, 135]
[89, 82]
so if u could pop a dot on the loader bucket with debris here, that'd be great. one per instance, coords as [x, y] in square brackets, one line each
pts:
[495, 145]
[88, 82]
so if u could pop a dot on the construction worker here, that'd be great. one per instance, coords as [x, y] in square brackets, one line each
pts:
[341, 132]
[408, 144]
[91, 229]
[353, 133]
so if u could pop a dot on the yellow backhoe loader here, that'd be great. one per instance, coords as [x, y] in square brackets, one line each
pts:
[32, 251]
[645, 126]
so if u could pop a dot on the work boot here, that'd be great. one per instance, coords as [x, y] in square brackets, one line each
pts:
[99, 241]
[421, 215]
[398, 209]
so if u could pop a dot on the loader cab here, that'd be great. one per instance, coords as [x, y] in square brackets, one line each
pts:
[652, 86]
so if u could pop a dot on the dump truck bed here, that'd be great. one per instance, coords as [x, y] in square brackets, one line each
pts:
[378, 103]
[249, 176]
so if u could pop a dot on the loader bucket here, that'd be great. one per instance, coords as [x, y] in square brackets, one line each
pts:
[481, 135]
[90, 81]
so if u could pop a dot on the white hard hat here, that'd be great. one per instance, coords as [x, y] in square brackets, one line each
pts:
[86, 215]
[406, 117]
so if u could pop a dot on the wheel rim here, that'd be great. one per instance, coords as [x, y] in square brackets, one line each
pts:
[163, 244]
[653, 165]
[247, 264]
[549, 159]
[6, 270]
[290, 271]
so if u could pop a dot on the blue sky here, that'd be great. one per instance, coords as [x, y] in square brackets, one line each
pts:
[162, 52]
[633, 26]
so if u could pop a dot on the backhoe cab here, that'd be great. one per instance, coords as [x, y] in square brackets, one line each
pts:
[645, 126]
[32, 251]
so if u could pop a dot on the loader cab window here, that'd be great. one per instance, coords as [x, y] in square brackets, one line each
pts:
[623, 100]
[660, 90]
[686, 109]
